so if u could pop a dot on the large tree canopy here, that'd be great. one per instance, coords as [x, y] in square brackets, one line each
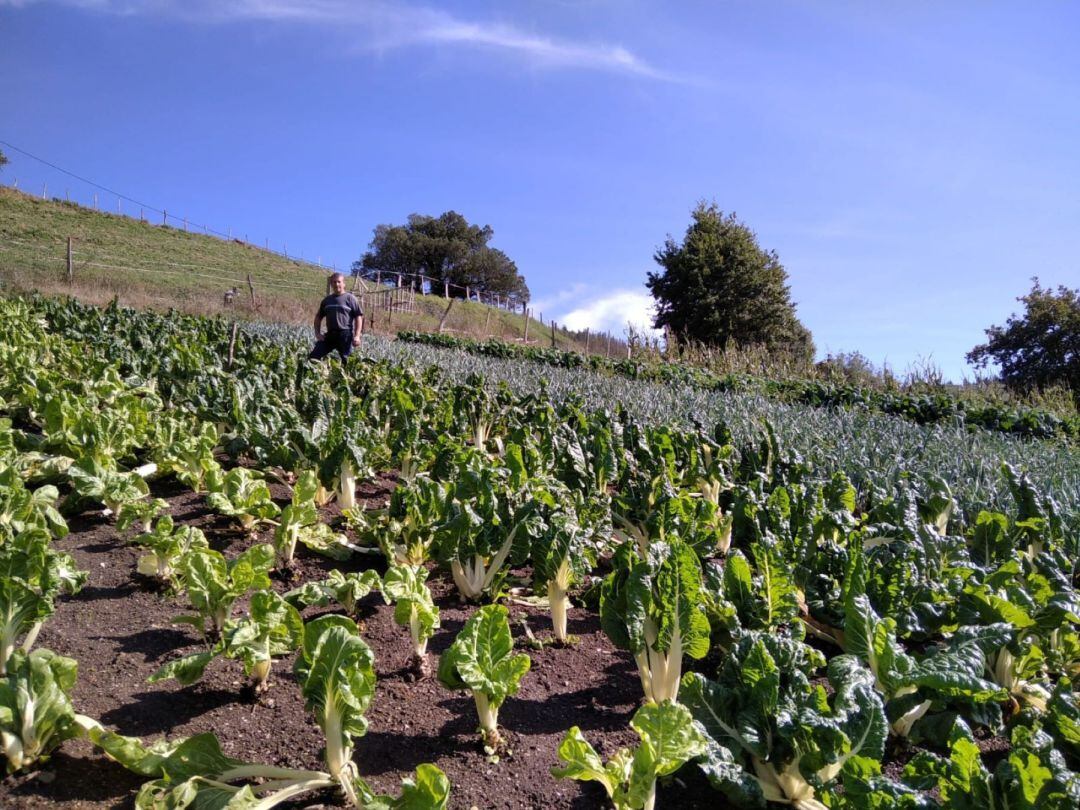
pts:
[1039, 349]
[446, 249]
[719, 287]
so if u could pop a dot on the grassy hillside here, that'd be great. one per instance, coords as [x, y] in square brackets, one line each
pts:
[159, 267]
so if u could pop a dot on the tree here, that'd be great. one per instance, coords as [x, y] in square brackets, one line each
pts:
[721, 288]
[1040, 349]
[446, 249]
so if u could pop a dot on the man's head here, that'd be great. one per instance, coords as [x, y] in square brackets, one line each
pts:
[337, 283]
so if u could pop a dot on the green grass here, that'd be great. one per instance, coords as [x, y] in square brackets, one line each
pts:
[153, 266]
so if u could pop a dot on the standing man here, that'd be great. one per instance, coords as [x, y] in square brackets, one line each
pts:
[344, 322]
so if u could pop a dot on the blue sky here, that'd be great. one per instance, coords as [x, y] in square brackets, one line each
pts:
[914, 164]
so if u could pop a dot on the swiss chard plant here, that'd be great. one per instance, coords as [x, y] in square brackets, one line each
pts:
[195, 773]
[36, 714]
[404, 586]
[482, 660]
[213, 584]
[188, 453]
[336, 672]
[300, 524]
[562, 555]
[652, 607]
[243, 495]
[273, 627]
[669, 739]
[773, 735]
[483, 531]
[140, 514]
[345, 589]
[23, 508]
[94, 482]
[32, 576]
[166, 546]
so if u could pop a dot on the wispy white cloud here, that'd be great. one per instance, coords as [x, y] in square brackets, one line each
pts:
[384, 25]
[611, 312]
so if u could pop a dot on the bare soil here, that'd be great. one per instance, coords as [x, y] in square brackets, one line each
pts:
[120, 631]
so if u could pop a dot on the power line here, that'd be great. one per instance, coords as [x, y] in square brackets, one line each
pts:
[82, 179]
[205, 228]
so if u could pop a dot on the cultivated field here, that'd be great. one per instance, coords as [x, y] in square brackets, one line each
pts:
[435, 578]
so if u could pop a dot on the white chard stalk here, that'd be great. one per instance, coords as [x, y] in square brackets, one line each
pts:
[415, 630]
[660, 673]
[559, 600]
[489, 718]
[347, 485]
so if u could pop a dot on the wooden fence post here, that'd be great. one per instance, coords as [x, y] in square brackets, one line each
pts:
[44, 188]
[251, 289]
[525, 340]
[445, 315]
[586, 340]
[487, 323]
[165, 217]
[70, 265]
[446, 290]
[608, 352]
[553, 334]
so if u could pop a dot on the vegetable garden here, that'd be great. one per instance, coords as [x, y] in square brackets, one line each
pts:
[233, 578]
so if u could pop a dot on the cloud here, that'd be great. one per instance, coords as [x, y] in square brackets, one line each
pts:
[384, 26]
[611, 312]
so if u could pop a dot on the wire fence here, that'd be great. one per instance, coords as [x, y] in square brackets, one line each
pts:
[383, 300]
[381, 288]
[154, 215]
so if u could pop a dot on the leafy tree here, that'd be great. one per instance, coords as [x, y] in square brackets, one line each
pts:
[1039, 349]
[721, 288]
[447, 249]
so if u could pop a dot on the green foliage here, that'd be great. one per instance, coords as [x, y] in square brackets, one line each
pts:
[481, 659]
[403, 585]
[652, 607]
[669, 738]
[36, 714]
[1030, 778]
[241, 494]
[720, 288]
[32, 576]
[446, 248]
[1039, 349]
[337, 678]
[213, 584]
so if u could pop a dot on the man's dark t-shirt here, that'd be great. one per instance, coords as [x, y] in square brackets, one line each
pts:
[339, 311]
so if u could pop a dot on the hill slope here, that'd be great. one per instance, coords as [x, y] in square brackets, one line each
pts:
[147, 265]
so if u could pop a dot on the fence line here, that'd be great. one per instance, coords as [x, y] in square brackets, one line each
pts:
[425, 284]
[185, 270]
